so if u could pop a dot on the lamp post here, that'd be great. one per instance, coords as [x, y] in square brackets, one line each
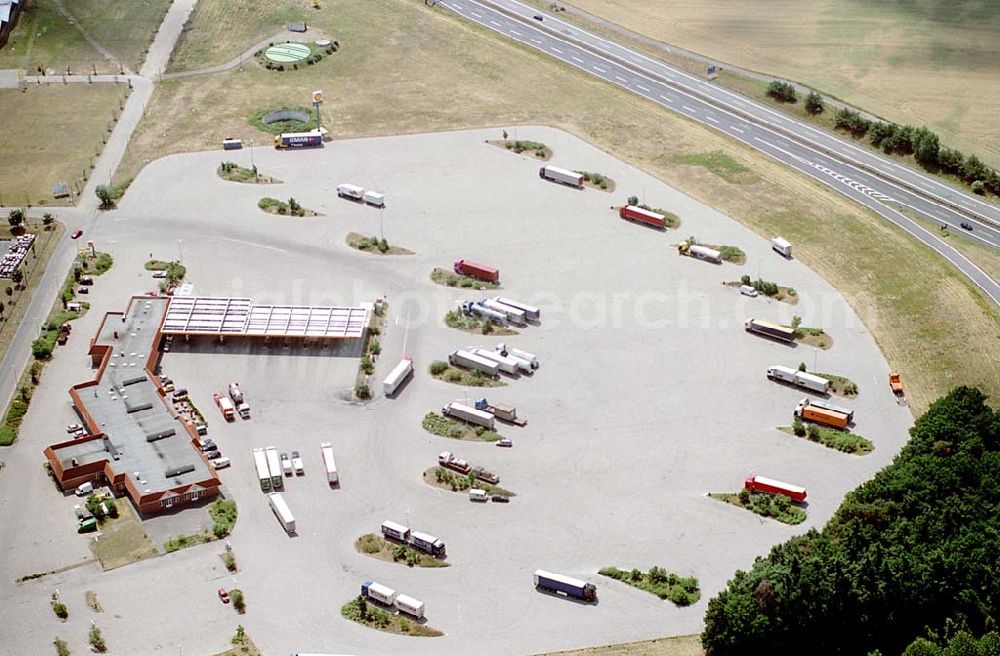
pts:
[180, 250]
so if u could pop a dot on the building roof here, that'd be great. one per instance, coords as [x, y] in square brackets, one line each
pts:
[207, 315]
[6, 8]
[142, 438]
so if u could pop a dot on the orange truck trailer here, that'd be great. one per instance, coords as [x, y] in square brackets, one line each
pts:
[824, 416]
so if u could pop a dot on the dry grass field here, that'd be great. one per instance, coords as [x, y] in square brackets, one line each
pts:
[910, 299]
[926, 62]
[45, 37]
[679, 646]
[52, 133]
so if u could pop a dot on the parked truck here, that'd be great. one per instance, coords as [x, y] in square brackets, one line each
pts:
[329, 464]
[282, 511]
[378, 592]
[428, 544]
[472, 308]
[448, 459]
[236, 394]
[768, 329]
[476, 270]
[565, 585]
[394, 531]
[700, 252]
[471, 415]
[486, 475]
[350, 191]
[530, 358]
[397, 376]
[467, 360]
[771, 486]
[507, 364]
[513, 314]
[263, 473]
[562, 176]
[298, 140]
[501, 411]
[798, 378]
[274, 466]
[225, 405]
[819, 403]
[644, 216]
[530, 312]
[814, 413]
[782, 246]
[409, 605]
[373, 198]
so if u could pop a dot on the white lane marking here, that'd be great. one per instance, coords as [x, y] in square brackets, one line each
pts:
[536, 41]
[639, 86]
[709, 118]
[735, 129]
[620, 78]
[665, 99]
[515, 33]
[494, 23]
[598, 68]
[555, 49]
[250, 243]
[688, 109]
[577, 59]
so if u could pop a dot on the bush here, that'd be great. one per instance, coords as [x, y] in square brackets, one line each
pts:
[814, 103]
[398, 552]
[62, 648]
[367, 365]
[812, 432]
[438, 367]
[362, 391]
[239, 602]
[97, 640]
[60, 610]
[782, 92]
[15, 217]
[42, 348]
[680, 596]
[798, 427]
[374, 347]
[744, 279]
[978, 187]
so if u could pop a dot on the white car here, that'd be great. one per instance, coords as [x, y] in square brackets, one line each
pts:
[297, 464]
[286, 464]
[72, 428]
[160, 274]
[747, 290]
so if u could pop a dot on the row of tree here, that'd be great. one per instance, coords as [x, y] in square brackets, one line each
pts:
[911, 554]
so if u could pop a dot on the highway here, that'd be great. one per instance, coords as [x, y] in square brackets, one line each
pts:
[857, 173]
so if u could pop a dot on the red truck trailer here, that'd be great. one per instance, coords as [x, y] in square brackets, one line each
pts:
[480, 271]
[771, 486]
[639, 215]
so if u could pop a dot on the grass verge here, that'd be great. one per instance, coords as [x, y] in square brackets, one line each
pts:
[242, 645]
[452, 279]
[445, 479]
[364, 612]
[374, 245]
[291, 208]
[458, 430]
[768, 288]
[223, 514]
[841, 385]
[775, 506]
[657, 581]
[443, 371]
[832, 438]
[689, 645]
[378, 547]
[597, 181]
[473, 324]
[233, 172]
[536, 149]
[123, 540]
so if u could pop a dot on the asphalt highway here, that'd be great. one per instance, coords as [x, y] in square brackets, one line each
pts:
[859, 174]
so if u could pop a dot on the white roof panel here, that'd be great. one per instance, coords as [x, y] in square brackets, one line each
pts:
[205, 315]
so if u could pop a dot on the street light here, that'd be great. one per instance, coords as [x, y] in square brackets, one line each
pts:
[180, 248]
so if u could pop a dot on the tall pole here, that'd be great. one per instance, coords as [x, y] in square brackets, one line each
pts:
[180, 249]
[381, 234]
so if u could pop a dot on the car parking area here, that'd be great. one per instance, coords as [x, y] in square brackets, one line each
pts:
[649, 395]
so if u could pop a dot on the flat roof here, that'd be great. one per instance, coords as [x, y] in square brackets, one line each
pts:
[211, 315]
[142, 439]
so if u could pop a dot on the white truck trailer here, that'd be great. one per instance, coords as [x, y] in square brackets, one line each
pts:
[563, 176]
[478, 309]
[513, 314]
[329, 464]
[397, 376]
[530, 312]
[782, 246]
[530, 358]
[282, 511]
[507, 364]
[263, 473]
[373, 198]
[395, 531]
[380, 593]
[471, 415]
[798, 378]
[467, 360]
[236, 394]
[409, 605]
[350, 191]
[274, 466]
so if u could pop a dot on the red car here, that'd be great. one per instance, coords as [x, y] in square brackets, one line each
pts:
[77, 234]
[223, 595]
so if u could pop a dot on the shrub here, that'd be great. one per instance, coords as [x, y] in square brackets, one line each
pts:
[438, 367]
[60, 610]
[412, 558]
[239, 602]
[812, 432]
[814, 103]
[782, 92]
[680, 596]
[374, 347]
[745, 279]
[41, 349]
[362, 391]
[798, 427]
[367, 365]
[230, 560]
[632, 200]
[62, 648]
[978, 187]
[398, 552]
[97, 640]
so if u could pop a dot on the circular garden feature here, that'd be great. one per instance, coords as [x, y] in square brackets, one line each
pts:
[287, 53]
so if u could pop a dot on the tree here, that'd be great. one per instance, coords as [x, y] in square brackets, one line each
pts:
[782, 92]
[15, 217]
[926, 148]
[973, 169]
[47, 218]
[17, 276]
[814, 103]
[97, 640]
[41, 349]
[62, 648]
[632, 200]
[106, 195]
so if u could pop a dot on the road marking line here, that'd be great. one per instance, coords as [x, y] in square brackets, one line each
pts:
[555, 49]
[598, 68]
[709, 118]
[735, 129]
[577, 59]
[515, 33]
[639, 86]
[536, 41]
[665, 99]
[688, 108]
[493, 22]
[250, 243]
[620, 78]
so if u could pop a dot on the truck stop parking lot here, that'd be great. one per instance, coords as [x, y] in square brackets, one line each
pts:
[649, 395]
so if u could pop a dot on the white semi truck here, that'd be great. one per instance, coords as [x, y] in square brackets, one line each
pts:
[397, 376]
[274, 466]
[530, 358]
[507, 364]
[329, 464]
[282, 511]
[350, 191]
[798, 378]
[530, 312]
[471, 415]
[236, 394]
[467, 360]
[563, 176]
[513, 314]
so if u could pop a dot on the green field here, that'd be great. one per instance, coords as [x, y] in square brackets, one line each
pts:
[31, 158]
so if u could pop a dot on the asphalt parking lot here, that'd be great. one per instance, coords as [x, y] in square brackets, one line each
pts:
[649, 395]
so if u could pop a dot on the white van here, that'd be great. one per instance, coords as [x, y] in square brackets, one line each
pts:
[221, 463]
[84, 489]
[475, 494]
[747, 290]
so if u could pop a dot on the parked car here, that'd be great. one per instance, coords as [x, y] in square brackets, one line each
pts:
[221, 463]
[160, 274]
[82, 290]
[180, 394]
[286, 464]
[202, 429]
[505, 442]
[80, 433]
[77, 234]
[72, 428]
[86, 280]
[500, 498]
[214, 454]
[223, 595]
[208, 445]
[297, 465]
[747, 290]
[84, 489]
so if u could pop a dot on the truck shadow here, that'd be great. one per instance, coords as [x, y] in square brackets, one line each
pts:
[559, 595]
[327, 348]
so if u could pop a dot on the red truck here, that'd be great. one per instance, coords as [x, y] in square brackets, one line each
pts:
[639, 215]
[474, 270]
[771, 486]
